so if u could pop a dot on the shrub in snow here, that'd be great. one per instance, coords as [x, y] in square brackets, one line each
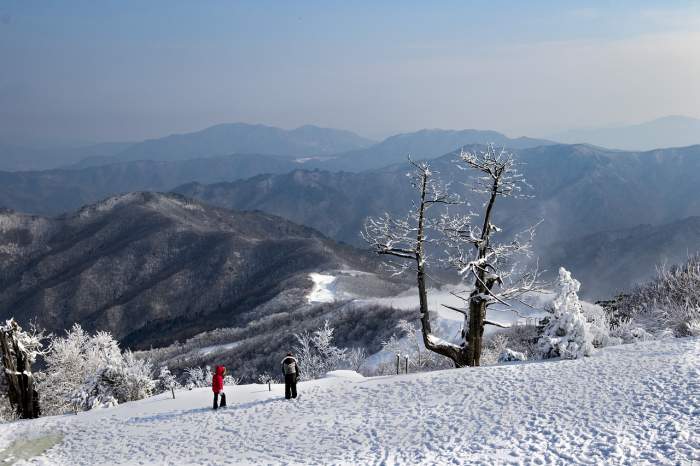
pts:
[167, 382]
[85, 372]
[409, 342]
[567, 334]
[508, 355]
[131, 379]
[522, 338]
[197, 377]
[231, 380]
[599, 324]
[670, 301]
[692, 328]
[356, 358]
[494, 347]
[93, 394]
[266, 378]
[123, 379]
[497, 350]
[317, 354]
[628, 331]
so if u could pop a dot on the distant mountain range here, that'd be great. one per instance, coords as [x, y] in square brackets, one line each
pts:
[55, 191]
[153, 268]
[334, 149]
[18, 158]
[51, 192]
[239, 138]
[579, 190]
[604, 261]
[422, 145]
[671, 131]
[331, 149]
[219, 140]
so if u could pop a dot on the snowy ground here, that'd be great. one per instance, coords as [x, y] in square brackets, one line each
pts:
[632, 404]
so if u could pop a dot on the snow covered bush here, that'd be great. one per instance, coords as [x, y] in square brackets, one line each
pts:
[599, 324]
[231, 380]
[132, 379]
[628, 331]
[497, 349]
[167, 382]
[85, 372]
[265, 378]
[494, 347]
[356, 358]
[67, 368]
[567, 334]
[197, 377]
[93, 394]
[671, 301]
[317, 354]
[409, 343]
[508, 355]
[523, 339]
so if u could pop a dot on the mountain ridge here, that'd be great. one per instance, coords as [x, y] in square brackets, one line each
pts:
[153, 268]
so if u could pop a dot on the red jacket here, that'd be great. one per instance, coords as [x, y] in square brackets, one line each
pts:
[217, 382]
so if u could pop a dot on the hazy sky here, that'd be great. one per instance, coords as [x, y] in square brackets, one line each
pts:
[125, 70]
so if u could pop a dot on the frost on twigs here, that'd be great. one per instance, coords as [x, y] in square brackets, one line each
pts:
[167, 382]
[492, 268]
[567, 334]
[90, 371]
[404, 240]
[668, 304]
[317, 353]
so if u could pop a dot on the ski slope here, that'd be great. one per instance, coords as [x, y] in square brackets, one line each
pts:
[632, 404]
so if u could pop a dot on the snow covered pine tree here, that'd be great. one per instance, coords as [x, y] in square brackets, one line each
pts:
[566, 335]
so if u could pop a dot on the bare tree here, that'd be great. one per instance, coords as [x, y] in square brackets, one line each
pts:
[498, 277]
[493, 266]
[406, 239]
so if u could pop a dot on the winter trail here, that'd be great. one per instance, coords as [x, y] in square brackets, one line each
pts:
[631, 405]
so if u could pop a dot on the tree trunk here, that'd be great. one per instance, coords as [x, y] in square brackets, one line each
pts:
[22, 394]
[457, 354]
[482, 288]
[475, 334]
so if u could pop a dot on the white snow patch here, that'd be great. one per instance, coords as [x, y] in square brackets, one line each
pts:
[344, 374]
[322, 292]
[216, 348]
[629, 404]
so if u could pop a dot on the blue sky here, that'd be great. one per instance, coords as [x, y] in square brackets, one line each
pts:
[124, 70]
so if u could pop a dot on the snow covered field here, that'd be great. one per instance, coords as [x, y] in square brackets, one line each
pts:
[631, 404]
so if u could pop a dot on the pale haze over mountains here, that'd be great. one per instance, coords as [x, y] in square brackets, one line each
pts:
[670, 131]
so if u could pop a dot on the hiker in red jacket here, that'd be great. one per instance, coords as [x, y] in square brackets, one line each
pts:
[217, 386]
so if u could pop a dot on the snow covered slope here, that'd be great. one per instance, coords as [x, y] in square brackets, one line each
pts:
[633, 404]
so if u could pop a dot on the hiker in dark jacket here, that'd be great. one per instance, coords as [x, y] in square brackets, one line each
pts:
[290, 369]
[217, 386]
